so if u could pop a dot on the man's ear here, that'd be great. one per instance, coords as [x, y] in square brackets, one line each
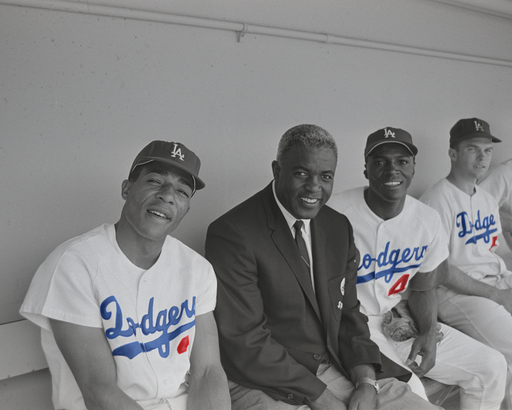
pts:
[452, 153]
[125, 188]
[275, 170]
[365, 172]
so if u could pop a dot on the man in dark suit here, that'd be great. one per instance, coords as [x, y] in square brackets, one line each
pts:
[291, 334]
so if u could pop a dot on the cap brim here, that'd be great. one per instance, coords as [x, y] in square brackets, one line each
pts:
[412, 149]
[199, 184]
[478, 135]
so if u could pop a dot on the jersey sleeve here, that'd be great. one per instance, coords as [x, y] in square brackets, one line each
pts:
[62, 289]
[207, 297]
[438, 249]
[440, 203]
[498, 183]
[429, 276]
[424, 281]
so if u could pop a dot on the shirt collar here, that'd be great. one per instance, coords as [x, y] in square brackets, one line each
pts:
[290, 219]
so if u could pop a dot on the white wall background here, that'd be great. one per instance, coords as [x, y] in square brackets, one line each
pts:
[81, 94]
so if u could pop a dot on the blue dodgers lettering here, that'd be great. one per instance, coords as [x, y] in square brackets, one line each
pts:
[148, 325]
[466, 227]
[390, 260]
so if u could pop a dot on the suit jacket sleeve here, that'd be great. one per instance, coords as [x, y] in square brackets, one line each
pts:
[354, 344]
[250, 355]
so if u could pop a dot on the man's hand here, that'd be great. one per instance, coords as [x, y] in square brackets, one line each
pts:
[363, 398]
[425, 346]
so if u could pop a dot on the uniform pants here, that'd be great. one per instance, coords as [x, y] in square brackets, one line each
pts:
[175, 403]
[460, 360]
[482, 319]
[394, 395]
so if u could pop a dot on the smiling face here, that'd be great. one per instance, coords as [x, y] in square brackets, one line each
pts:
[471, 158]
[389, 170]
[304, 180]
[156, 202]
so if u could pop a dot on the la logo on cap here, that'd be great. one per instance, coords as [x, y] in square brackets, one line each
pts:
[479, 127]
[177, 153]
[388, 133]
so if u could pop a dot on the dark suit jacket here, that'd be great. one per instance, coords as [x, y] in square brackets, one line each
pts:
[273, 333]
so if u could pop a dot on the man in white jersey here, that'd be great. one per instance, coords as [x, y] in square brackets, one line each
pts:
[498, 182]
[126, 309]
[403, 253]
[477, 299]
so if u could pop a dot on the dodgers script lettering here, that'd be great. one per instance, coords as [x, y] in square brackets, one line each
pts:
[150, 324]
[391, 262]
[481, 226]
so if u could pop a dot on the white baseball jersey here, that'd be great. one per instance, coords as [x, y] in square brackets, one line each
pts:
[392, 251]
[148, 316]
[498, 182]
[472, 224]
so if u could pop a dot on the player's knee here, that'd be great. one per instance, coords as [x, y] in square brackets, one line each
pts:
[495, 365]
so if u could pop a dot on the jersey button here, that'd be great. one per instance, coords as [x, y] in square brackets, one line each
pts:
[290, 396]
[316, 356]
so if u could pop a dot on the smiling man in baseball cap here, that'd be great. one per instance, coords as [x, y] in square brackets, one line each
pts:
[403, 260]
[126, 309]
[478, 297]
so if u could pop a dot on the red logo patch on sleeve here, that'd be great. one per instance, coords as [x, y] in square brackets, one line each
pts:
[183, 346]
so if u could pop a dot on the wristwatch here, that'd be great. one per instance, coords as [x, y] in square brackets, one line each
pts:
[367, 380]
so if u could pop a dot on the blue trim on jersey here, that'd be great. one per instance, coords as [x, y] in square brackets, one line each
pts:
[133, 349]
[388, 273]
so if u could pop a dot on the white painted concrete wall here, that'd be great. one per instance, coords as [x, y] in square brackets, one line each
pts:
[81, 94]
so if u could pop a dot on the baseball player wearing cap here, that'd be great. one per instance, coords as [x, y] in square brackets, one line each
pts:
[498, 182]
[478, 297]
[126, 309]
[403, 254]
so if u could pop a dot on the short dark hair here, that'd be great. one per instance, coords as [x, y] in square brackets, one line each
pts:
[307, 136]
[455, 145]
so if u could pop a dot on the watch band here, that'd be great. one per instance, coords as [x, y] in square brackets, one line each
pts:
[367, 380]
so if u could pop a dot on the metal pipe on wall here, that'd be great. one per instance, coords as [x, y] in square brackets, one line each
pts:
[501, 8]
[156, 15]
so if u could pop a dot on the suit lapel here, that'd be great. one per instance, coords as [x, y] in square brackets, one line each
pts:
[320, 261]
[284, 241]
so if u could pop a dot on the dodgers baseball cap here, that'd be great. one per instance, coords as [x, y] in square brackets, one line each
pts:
[389, 135]
[470, 128]
[174, 154]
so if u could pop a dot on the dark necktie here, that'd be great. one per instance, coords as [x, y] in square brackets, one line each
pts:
[301, 244]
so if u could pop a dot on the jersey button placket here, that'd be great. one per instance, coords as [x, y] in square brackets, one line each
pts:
[381, 233]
